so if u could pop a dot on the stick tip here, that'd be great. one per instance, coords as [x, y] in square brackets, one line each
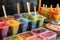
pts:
[57, 6]
[43, 5]
[46, 6]
[51, 6]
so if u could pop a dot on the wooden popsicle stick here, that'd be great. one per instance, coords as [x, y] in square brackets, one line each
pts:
[51, 6]
[3, 7]
[57, 5]
[18, 8]
[35, 10]
[28, 7]
[46, 6]
[43, 6]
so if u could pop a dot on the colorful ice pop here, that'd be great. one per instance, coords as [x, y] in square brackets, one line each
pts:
[14, 25]
[40, 21]
[32, 23]
[32, 20]
[24, 24]
[56, 13]
[3, 29]
[46, 11]
[50, 13]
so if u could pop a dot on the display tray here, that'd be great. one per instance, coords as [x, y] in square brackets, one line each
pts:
[58, 37]
[52, 21]
[53, 27]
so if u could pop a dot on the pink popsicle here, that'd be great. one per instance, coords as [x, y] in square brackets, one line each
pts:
[3, 29]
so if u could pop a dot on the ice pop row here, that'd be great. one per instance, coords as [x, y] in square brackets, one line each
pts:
[51, 13]
[36, 34]
[19, 23]
[12, 26]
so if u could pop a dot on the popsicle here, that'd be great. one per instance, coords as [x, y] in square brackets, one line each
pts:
[46, 11]
[14, 26]
[40, 21]
[31, 18]
[50, 13]
[26, 15]
[3, 29]
[32, 22]
[56, 13]
[42, 10]
[24, 24]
